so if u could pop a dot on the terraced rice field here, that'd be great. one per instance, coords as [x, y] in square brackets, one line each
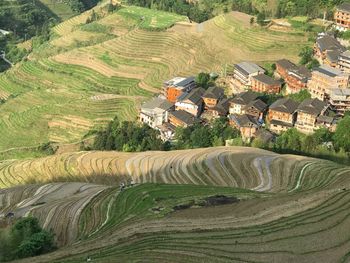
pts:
[241, 167]
[285, 208]
[125, 56]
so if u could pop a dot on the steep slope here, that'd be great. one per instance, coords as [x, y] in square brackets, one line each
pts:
[241, 167]
[92, 72]
[186, 206]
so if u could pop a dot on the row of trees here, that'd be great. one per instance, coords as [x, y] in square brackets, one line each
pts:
[182, 7]
[133, 137]
[25, 239]
[129, 136]
[322, 143]
[283, 8]
[80, 6]
[201, 136]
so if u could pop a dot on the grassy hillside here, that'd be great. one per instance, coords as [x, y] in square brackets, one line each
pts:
[283, 208]
[88, 73]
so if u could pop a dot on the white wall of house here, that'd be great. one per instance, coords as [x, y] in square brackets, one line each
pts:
[236, 109]
[153, 118]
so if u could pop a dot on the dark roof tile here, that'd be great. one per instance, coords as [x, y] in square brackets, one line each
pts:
[284, 105]
[266, 79]
[244, 120]
[214, 93]
[312, 106]
[244, 98]
[184, 116]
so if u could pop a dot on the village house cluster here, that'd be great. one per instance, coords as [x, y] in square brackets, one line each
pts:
[182, 103]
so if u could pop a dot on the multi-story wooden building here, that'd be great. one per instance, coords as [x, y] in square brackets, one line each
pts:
[282, 115]
[342, 17]
[181, 118]
[295, 77]
[240, 101]
[307, 113]
[246, 124]
[283, 66]
[256, 109]
[266, 84]
[344, 61]
[212, 96]
[191, 102]
[326, 78]
[175, 87]
[244, 71]
[339, 101]
[327, 49]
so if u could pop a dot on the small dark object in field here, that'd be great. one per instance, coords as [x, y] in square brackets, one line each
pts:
[183, 206]
[219, 200]
[40, 203]
[10, 215]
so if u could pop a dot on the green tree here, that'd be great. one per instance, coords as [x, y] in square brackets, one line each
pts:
[24, 239]
[300, 96]
[260, 19]
[203, 80]
[313, 64]
[291, 140]
[342, 134]
[37, 244]
[306, 55]
[201, 137]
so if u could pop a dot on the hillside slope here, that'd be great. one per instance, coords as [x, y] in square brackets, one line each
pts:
[292, 209]
[90, 73]
[222, 166]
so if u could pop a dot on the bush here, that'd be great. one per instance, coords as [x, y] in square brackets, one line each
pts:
[25, 239]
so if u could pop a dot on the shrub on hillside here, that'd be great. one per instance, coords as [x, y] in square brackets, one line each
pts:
[25, 239]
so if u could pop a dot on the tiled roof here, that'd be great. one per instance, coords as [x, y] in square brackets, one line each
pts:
[213, 93]
[195, 96]
[248, 68]
[329, 71]
[344, 7]
[264, 135]
[286, 64]
[325, 119]
[333, 55]
[244, 98]
[180, 81]
[184, 116]
[244, 120]
[257, 104]
[157, 103]
[345, 54]
[284, 105]
[223, 105]
[327, 42]
[301, 72]
[312, 106]
[266, 79]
